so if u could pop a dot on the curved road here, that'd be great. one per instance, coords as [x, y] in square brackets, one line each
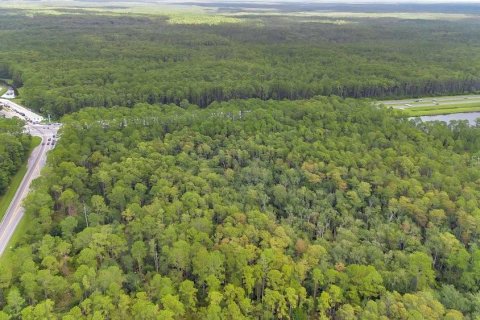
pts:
[35, 164]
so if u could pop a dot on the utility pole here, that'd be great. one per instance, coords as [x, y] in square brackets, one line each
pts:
[85, 213]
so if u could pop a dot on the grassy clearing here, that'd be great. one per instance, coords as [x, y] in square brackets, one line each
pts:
[327, 21]
[202, 19]
[33, 8]
[17, 101]
[442, 109]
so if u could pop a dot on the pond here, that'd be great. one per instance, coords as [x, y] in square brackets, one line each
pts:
[470, 116]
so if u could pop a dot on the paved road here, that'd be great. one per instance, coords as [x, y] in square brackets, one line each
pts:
[36, 162]
[21, 112]
[432, 101]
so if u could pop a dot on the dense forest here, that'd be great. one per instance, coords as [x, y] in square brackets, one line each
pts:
[221, 168]
[249, 209]
[62, 63]
[14, 149]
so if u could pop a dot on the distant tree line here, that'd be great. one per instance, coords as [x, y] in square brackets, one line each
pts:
[68, 62]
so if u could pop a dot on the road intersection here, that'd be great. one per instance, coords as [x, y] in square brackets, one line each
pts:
[37, 160]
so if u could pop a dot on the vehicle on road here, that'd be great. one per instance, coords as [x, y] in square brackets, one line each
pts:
[37, 159]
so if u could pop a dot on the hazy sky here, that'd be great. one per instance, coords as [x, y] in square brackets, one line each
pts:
[337, 1]
[309, 1]
[332, 1]
[93, 2]
[359, 1]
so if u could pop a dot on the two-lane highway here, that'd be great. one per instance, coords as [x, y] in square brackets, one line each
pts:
[37, 160]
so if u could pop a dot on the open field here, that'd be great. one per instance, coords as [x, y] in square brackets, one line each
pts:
[216, 12]
[77, 7]
[367, 15]
[201, 19]
[436, 105]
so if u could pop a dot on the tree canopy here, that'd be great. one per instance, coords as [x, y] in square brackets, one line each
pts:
[313, 209]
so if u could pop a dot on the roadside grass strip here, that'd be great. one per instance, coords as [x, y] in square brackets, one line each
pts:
[442, 109]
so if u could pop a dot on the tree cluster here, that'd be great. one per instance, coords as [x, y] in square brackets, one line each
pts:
[250, 209]
[14, 149]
